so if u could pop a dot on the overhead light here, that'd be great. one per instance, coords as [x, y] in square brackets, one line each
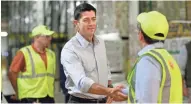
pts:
[4, 34]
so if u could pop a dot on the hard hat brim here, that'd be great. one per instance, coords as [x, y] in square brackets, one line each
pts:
[49, 33]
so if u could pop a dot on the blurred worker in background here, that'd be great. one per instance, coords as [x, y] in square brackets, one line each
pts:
[32, 71]
[85, 63]
[62, 84]
[184, 60]
[155, 77]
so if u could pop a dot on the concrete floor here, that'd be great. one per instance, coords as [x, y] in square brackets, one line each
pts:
[59, 97]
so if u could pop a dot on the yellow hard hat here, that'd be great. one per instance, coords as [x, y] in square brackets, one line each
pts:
[41, 30]
[152, 23]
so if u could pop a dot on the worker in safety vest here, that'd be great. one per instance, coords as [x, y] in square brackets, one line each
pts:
[155, 77]
[32, 71]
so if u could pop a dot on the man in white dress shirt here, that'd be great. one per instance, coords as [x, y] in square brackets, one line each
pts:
[84, 62]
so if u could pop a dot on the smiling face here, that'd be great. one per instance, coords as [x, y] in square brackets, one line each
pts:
[86, 25]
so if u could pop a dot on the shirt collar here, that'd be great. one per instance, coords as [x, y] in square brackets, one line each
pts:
[150, 47]
[84, 42]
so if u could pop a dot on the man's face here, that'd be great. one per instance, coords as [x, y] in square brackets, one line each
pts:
[44, 40]
[86, 25]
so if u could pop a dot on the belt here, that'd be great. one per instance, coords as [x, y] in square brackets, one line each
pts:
[84, 100]
[37, 100]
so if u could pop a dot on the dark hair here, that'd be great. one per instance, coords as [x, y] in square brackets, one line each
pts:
[82, 8]
[149, 40]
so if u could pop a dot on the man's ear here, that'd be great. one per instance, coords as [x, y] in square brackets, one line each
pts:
[75, 22]
[141, 38]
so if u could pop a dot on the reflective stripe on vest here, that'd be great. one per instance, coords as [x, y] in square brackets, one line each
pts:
[34, 75]
[167, 93]
[132, 87]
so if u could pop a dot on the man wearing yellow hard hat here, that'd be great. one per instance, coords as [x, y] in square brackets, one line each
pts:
[33, 68]
[155, 77]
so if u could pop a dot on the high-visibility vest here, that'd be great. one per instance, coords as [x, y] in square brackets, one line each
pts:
[171, 81]
[37, 81]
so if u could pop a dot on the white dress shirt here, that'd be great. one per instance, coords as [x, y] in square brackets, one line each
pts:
[85, 63]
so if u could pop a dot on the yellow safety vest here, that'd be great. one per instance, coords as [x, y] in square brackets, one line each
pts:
[36, 81]
[171, 83]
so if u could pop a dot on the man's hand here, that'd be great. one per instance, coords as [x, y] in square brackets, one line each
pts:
[113, 93]
[184, 88]
[14, 97]
[109, 100]
[13, 79]
[120, 97]
[185, 91]
[116, 94]
[121, 86]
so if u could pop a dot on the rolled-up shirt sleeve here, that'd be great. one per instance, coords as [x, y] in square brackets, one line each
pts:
[73, 66]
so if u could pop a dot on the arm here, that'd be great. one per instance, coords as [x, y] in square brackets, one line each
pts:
[114, 93]
[73, 67]
[147, 80]
[99, 89]
[17, 65]
[13, 78]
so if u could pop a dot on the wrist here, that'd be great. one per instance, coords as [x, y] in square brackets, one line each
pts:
[109, 91]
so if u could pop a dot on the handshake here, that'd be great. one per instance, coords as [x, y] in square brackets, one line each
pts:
[118, 93]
